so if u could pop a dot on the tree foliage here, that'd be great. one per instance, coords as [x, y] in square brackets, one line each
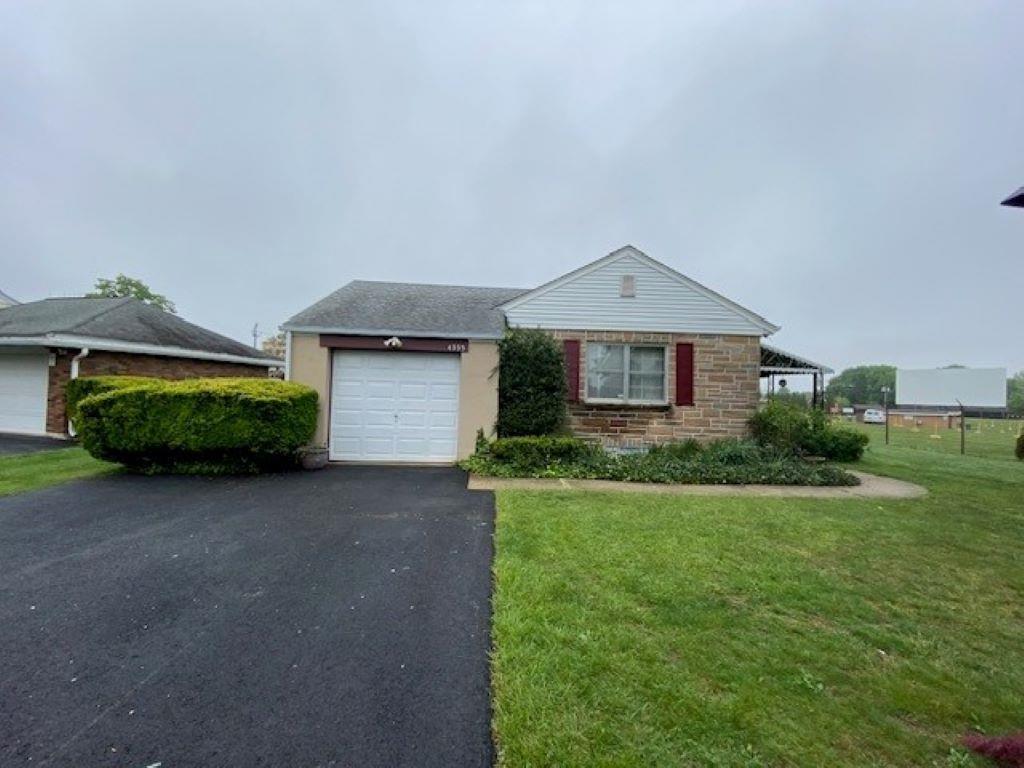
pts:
[862, 385]
[1015, 394]
[531, 384]
[123, 286]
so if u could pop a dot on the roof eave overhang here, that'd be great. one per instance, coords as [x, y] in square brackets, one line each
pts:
[133, 347]
[348, 331]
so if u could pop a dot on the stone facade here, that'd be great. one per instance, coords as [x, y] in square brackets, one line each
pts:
[726, 391]
[100, 363]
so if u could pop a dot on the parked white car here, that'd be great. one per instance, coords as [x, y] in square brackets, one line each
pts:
[874, 416]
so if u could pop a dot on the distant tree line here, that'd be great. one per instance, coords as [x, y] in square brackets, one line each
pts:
[862, 385]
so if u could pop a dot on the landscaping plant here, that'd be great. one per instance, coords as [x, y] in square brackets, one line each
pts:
[728, 461]
[201, 426]
[806, 433]
[1019, 450]
[531, 384]
[1005, 751]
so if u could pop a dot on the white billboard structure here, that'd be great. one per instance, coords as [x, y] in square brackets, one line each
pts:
[946, 387]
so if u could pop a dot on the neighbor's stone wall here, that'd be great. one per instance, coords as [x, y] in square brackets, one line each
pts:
[100, 363]
[726, 391]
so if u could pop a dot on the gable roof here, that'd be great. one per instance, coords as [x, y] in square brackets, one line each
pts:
[126, 324]
[631, 252]
[408, 309]
[7, 301]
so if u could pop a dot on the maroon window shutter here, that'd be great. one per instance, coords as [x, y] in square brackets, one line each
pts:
[684, 374]
[572, 370]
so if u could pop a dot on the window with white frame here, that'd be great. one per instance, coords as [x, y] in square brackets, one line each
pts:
[626, 373]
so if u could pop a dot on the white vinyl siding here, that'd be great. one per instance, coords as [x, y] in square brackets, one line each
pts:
[626, 373]
[24, 379]
[662, 302]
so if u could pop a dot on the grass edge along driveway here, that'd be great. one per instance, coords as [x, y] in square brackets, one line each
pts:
[658, 630]
[31, 471]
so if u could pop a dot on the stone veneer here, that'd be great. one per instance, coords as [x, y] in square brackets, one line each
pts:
[100, 363]
[726, 391]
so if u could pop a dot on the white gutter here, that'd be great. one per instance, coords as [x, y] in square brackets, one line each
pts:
[112, 345]
[287, 355]
[82, 354]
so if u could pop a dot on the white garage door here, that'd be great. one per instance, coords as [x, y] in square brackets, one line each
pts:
[23, 383]
[394, 406]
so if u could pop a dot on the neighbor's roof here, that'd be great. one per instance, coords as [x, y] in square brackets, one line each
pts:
[126, 321]
[409, 309]
[1016, 199]
[7, 301]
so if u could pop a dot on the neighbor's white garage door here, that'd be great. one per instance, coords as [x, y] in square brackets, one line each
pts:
[23, 383]
[394, 406]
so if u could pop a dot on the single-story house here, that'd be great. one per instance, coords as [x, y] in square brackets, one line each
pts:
[44, 344]
[409, 372]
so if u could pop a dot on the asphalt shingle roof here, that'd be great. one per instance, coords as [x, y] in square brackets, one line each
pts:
[124, 319]
[365, 306]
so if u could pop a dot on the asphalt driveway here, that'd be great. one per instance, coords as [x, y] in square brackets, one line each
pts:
[11, 444]
[334, 618]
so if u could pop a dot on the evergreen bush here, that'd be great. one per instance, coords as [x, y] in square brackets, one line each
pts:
[531, 384]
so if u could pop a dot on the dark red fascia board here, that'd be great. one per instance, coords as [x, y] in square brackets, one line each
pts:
[409, 343]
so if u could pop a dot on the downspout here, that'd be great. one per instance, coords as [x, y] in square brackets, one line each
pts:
[82, 354]
[287, 355]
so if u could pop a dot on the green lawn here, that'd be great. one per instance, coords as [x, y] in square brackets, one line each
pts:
[986, 438]
[27, 472]
[648, 630]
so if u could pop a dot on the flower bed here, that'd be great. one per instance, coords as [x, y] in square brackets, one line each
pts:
[725, 462]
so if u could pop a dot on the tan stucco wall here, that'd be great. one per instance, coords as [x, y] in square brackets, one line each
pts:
[478, 394]
[311, 366]
[478, 386]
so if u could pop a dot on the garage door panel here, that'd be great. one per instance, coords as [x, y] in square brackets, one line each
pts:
[24, 380]
[393, 406]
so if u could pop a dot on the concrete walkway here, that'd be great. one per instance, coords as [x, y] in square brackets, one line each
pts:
[871, 487]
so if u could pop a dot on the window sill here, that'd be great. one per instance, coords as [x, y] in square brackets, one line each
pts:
[608, 405]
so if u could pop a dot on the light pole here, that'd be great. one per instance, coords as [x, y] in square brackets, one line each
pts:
[885, 410]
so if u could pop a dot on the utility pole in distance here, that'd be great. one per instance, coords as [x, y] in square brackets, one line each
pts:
[885, 407]
[255, 333]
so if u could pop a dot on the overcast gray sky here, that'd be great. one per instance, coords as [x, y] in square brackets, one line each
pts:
[834, 166]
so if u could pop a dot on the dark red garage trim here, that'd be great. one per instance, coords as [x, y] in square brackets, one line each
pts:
[408, 344]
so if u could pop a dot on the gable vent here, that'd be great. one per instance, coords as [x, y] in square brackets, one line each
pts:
[627, 288]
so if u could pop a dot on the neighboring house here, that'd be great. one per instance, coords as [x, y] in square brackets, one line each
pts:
[408, 372]
[44, 344]
[6, 301]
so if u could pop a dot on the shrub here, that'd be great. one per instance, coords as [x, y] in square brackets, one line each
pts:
[85, 386]
[686, 449]
[534, 453]
[204, 426]
[723, 462]
[801, 432]
[531, 384]
[1002, 750]
[1019, 451]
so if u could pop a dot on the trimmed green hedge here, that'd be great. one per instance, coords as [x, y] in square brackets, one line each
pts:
[84, 386]
[1019, 450]
[202, 426]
